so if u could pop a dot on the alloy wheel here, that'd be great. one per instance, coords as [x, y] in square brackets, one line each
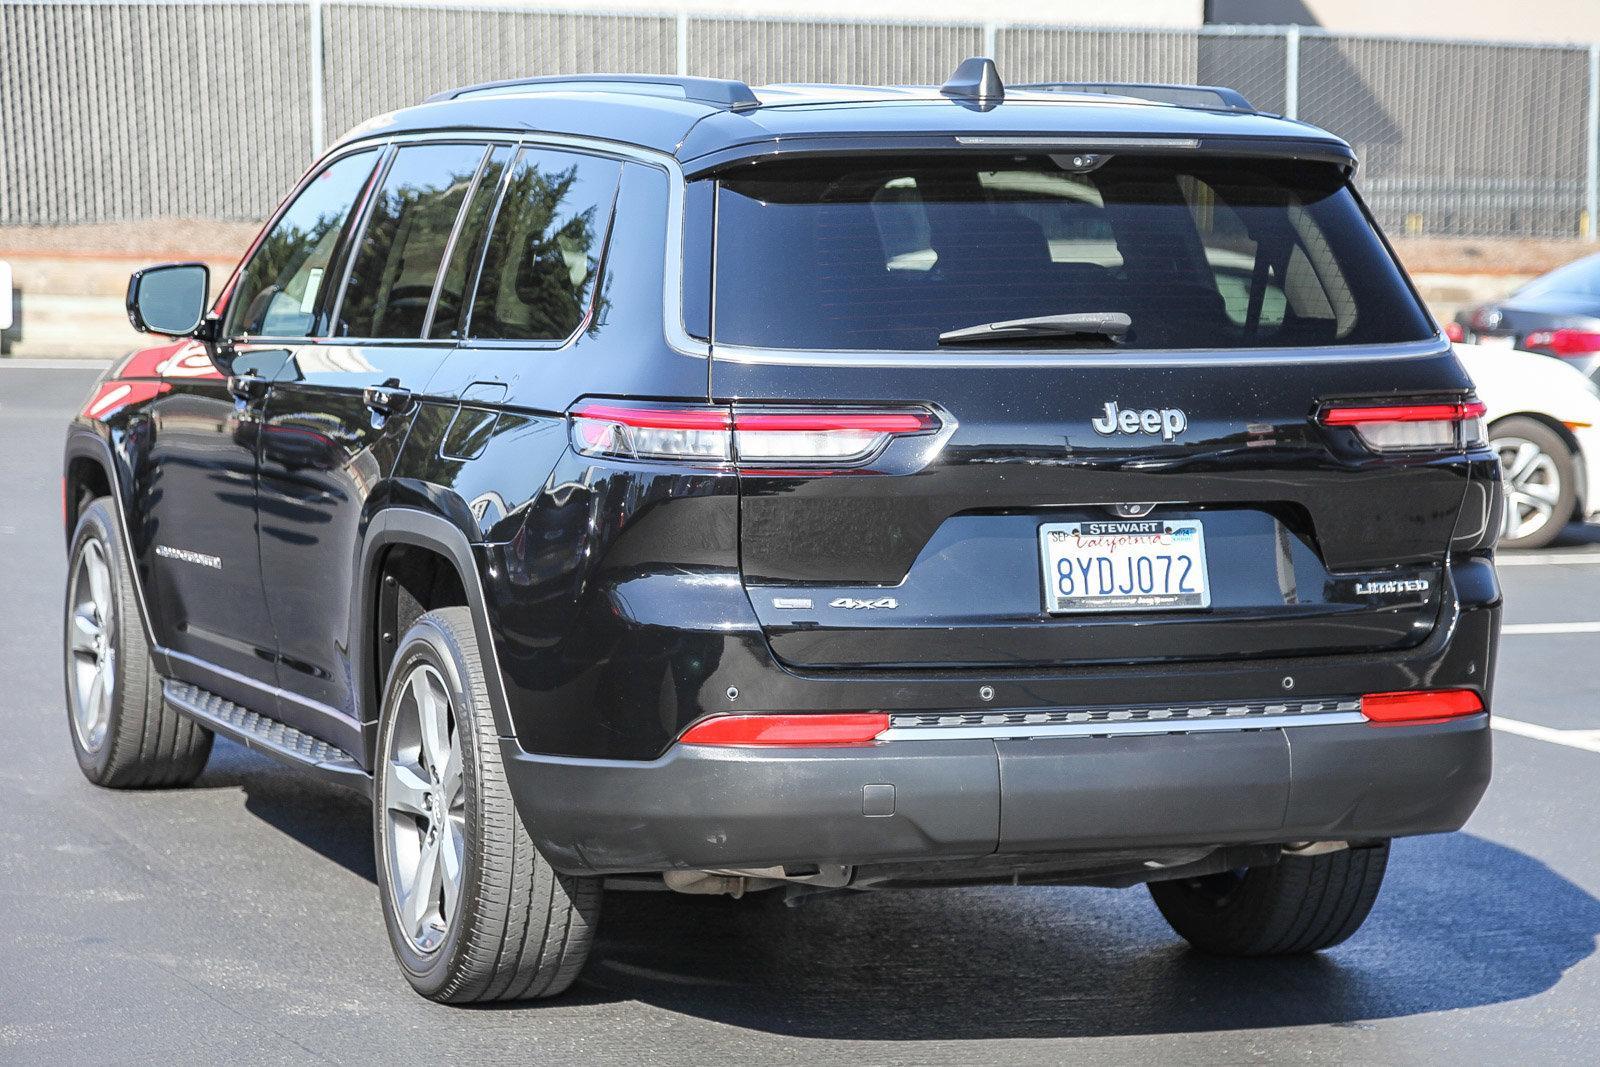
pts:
[424, 808]
[91, 646]
[1532, 485]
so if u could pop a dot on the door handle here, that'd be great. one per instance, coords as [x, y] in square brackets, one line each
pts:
[386, 399]
[247, 387]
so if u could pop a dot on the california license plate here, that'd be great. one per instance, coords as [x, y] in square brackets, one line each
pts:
[1124, 565]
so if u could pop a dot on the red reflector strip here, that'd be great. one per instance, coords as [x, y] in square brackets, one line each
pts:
[657, 418]
[1403, 413]
[1419, 706]
[812, 422]
[795, 730]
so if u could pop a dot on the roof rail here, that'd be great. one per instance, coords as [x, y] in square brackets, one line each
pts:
[718, 92]
[1207, 97]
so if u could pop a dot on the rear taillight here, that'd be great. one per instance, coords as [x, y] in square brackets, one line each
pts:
[1412, 427]
[1417, 707]
[652, 432]
[1568, 344]
[759, 437]
[833, 729]
[1455, 331]
[826, 437]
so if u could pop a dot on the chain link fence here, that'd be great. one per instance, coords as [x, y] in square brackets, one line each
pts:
[111, 110]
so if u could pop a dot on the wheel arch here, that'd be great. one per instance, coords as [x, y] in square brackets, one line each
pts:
[413, 561]
[86, 474]
[1580, 472]
[89, 470]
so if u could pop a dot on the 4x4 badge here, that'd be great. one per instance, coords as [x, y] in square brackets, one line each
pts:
[1168, 422]
[852, 602]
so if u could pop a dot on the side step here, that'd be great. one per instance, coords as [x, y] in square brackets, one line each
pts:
[276, 739]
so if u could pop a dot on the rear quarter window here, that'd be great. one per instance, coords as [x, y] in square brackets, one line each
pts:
[1197, 253]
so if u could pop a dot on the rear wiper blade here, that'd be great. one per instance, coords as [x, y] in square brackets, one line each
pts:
[1109, 324]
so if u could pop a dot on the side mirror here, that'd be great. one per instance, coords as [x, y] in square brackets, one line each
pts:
[169, 299]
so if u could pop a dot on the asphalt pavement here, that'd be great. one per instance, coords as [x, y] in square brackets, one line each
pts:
[238, 919]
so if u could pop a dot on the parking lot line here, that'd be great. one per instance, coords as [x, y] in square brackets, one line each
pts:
[1566, 558]
[1587, 740]
[1514, 629]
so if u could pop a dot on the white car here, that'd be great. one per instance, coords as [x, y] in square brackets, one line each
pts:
[1544, 422]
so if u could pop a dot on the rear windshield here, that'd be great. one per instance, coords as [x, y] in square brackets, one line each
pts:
[872, 253]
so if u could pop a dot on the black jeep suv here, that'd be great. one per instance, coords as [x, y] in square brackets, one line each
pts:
[646, 481]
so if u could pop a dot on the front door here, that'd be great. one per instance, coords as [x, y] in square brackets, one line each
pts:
[193, 529]
[197, 539]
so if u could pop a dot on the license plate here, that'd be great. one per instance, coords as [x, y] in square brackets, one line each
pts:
[1124, 565]
[1494, 342]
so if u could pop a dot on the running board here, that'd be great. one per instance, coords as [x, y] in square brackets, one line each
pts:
[276, 739]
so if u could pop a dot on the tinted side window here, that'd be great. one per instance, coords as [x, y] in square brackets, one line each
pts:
[539, 268]
[468, 249]
[398, 257]
[277, 292]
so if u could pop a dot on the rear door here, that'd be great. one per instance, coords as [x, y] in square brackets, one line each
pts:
[340, 407]
[1159, 484]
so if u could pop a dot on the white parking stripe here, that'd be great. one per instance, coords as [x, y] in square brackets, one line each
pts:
[1587, 740]
[1591, 559]
[1514, 629]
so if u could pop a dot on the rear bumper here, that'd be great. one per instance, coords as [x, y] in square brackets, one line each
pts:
[710, 808]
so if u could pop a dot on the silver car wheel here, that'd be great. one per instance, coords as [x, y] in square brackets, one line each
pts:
[1532, 482]
[91, 646]
[425, 809]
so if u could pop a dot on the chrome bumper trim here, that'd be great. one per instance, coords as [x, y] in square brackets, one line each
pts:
[1121, 722]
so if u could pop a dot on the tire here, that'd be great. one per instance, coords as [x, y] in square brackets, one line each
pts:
[1541, 484]
[516, 929]
[1300, 904]
[124, 735]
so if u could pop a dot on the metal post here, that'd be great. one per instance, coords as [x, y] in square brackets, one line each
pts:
[314, 9]
[1291, 72]
[683, 42]
[1591, 221]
